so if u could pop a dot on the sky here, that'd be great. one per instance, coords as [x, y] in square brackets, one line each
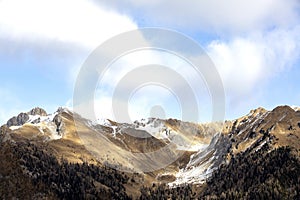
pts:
[255, 46]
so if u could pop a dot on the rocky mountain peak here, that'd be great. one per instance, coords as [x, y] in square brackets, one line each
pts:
[283, 110]
[21, 119]
[38, 111]
[59, 123]
[259, 110]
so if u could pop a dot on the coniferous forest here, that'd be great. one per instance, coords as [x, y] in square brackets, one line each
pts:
[45, 176]
[259, 175]
[29, 172]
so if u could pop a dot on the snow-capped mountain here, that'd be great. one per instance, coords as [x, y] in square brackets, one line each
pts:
[40, 124]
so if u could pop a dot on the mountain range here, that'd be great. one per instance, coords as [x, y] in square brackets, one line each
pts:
[65, 156]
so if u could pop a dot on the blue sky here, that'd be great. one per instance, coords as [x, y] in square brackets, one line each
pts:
[255, 46]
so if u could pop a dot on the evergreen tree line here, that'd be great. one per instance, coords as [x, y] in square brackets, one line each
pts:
[258, 175]
[59, 180]
[29, 172]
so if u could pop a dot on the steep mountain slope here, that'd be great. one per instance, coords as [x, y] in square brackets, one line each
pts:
[263, 161]
[258, 159]
[277, 128]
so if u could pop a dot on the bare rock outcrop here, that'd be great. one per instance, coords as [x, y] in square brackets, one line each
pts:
[59, 123]
[21, 119]
[37, 111]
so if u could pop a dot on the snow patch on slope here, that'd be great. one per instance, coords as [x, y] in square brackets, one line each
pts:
[156, 128]
[204, 162]
[45, 119]
[153, 126]
[295, 108]
[14, 127]
[103, 122]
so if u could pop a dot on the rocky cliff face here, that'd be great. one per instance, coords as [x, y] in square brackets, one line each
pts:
[59, 123]
[37, 111]
[21, 119]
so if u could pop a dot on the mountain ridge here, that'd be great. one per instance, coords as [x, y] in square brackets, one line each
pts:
[197, 150]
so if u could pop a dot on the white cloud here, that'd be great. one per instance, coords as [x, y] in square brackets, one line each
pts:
[71, 21]
[247, 63]
[239, 62]
[215, 16]
[257, 39]
[63, 32]
[53, 35]
[251, 42]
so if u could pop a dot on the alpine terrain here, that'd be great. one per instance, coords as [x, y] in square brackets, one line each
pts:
[49, 156]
